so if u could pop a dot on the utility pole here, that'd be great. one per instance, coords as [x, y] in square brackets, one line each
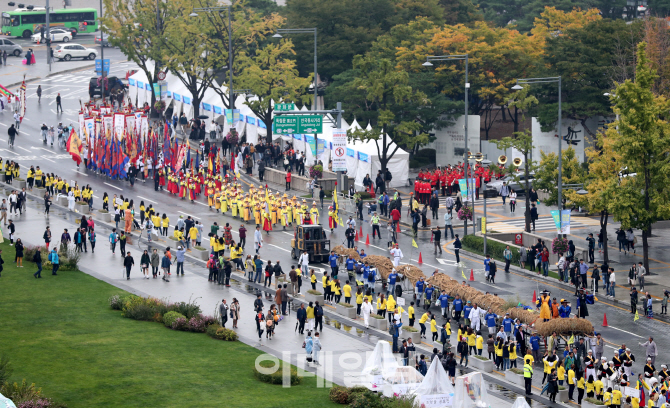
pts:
[102, 59]
[48, 40]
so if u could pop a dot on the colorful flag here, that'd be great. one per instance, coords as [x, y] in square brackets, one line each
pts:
[335, 206]
[74, 147]
[637, 317]
[414, 243]
[463, 273]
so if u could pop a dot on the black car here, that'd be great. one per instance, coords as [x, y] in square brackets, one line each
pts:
[112, 83]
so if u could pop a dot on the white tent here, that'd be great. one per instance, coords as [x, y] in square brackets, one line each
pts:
[436, 389]
[379, 364]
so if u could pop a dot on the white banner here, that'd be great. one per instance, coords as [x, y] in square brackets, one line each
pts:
[89, 125]
[119, 125]
[339, 150]
[145, 126]
[98, 128]
[108, 122]
[130, 124]
[138, 122]
[631, 392]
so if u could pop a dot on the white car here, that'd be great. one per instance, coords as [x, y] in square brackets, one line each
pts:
[68, 51]
[56, 35]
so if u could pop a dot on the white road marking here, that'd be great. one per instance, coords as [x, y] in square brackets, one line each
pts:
[633, 334]
[23, 149]
[144, 198]
[612, 347]
[112, 186]
[48, 159]
[83, 174]
[285, 250]
[95, 196]
[198, 202]
[287, 233]
[427, 264]
[186, 213]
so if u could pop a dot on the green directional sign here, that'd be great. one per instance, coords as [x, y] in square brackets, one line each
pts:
[285, 124]
[284, 106]
[310, 124]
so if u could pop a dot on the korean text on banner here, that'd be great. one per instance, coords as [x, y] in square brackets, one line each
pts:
[119, 125]
[562, 223]
[339, 150]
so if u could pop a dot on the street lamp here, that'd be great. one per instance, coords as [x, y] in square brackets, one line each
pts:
[281, 31]
[485, 163]
[455, 57]
[529, 81]
[231, 96]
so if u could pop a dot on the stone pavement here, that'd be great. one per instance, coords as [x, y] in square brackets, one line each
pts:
[345, 341]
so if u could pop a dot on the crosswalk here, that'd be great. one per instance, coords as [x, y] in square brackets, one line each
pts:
[542, 224]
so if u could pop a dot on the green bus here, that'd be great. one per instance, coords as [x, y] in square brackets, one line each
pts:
[24, 22]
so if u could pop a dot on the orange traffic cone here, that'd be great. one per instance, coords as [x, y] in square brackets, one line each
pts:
[420, 258]
[367, 239]
[534, 297]
[356, 238]
[605, 320]
[398, 231]
[472, 275]
[360, 230]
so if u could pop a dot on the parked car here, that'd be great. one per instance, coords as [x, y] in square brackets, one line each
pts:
[55, 34]
[69, 51]
[493, 187]
[104, 41]
[112, 83]
[11, 47]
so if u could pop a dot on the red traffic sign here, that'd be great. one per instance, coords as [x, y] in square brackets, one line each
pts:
[161, 76]
[339, 152]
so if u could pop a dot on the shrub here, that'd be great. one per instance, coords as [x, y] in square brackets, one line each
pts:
[115, 302]
[516, 371]
[19, 393]
[478, 357]
[189, 309]
[345, 305]
[410, 329]
[316, 171]
[170, 317]
[465, 213]
[339, 395]
[277, 376]
[103, 211]
[180, 324]
[173, 238]
[139, 312]
[367, 399]
[215, 331]
[199, 248]
[378, 317]
[495, 249]
[594, 401]
[197, 324]
[82, 203]
[40, 403]
[559, 246]
[314, 292]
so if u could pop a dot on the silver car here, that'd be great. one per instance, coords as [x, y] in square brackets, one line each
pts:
[11, 47]
[493, 187]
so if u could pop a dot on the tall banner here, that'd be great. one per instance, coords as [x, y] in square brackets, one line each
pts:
[468, 195]
[108, 124]
[138, 123]
[98, 127]
[311, 142]
[252, 130]
[119, 125]
[562, 223]
[339, 155]
[145, 126]
[22, 100]
[81, 124]
[130, 124]
[89, 126]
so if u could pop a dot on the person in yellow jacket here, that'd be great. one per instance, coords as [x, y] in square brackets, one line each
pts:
[422, 323]
[472, 342]
[310, 317]
[598, 388]
[390, 307]
[571, 382]
[312, 279]
[410, 313]
[560, 373]
[590, 387]
[512, 351]
[433, 327]
[359, 301]
[617, 396]
[607, 398]
[193, 234]
[347, 292]
[381, 306]
[581, 385]
[165, 223]
[337, 290]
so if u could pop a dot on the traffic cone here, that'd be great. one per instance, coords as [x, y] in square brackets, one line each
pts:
[398, 231]
[534, 297]
[356, 236]
[367, 239]
[420, 258]
[472, 275]
[360, 230]
[605, 320]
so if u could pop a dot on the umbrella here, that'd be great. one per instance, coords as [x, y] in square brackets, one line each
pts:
[203, 117]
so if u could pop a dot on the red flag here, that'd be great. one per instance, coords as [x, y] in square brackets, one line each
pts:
[74, 147]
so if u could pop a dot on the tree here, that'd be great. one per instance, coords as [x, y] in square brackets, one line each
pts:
[642, 138]
[250, 29]
[133, 27]
[583, 57]
[602, 183]
[655, 31]
[546, 175]
[523, 14]
[523, 142]
[271, 76]
[396, 108]
[659, 7]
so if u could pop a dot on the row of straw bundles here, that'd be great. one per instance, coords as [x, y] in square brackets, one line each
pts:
[566, 325]
[347, 252]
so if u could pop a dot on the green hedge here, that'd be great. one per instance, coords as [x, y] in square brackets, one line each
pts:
[277, 376]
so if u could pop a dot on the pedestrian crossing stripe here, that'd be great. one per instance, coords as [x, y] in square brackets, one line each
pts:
[542, 224]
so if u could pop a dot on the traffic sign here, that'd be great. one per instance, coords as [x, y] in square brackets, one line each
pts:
[161, 76]
[310, 124]
[284, 106]
[285, 124]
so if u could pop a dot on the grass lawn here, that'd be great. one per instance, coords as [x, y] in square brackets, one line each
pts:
[61, 334]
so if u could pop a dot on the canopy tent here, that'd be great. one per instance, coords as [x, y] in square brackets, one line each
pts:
[380, 363]
[435, 389]
[6, 402]
[471, 391]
